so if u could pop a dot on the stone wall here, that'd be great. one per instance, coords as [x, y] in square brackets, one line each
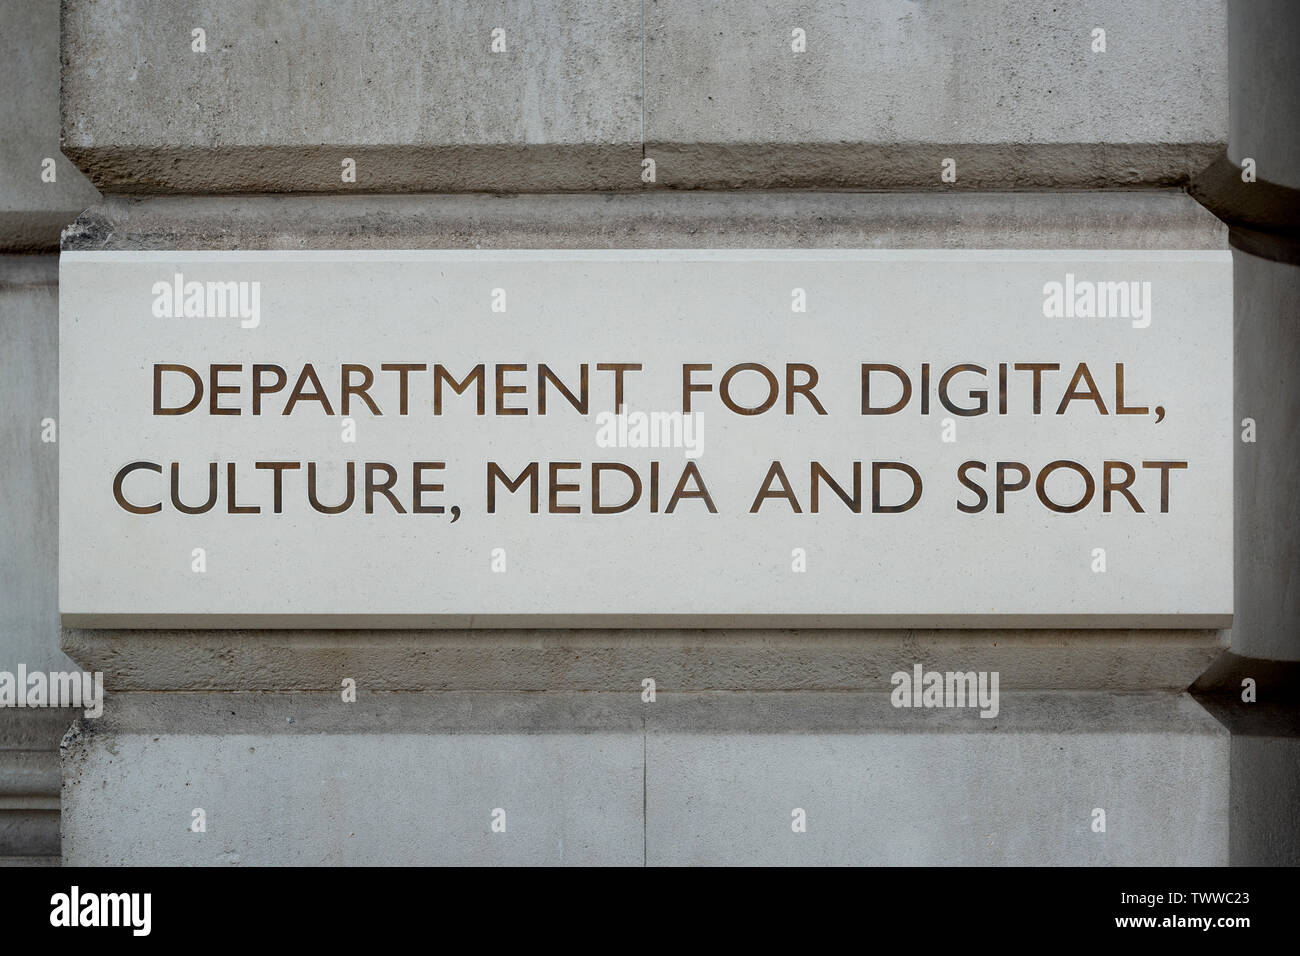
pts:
[655, 124]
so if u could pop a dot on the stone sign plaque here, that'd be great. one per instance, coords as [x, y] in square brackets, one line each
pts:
[656, 438]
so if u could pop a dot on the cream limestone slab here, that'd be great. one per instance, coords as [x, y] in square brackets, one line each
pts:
[227, 374]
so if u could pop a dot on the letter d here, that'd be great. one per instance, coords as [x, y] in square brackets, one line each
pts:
[158, 408]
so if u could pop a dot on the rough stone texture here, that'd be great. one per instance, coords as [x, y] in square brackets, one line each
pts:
[400, 799]
[33, 211]
[1266, 484]
[1011, 90]
[1121, 219]
[392, 779]
[412, 92]
[31, 860]
[29, 783]
[712, 92]
[29, 617]
[406, 778]
[557, 660]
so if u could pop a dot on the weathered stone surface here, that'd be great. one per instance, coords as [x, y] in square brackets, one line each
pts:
[33, 210]
[712, 92]
[710, 778]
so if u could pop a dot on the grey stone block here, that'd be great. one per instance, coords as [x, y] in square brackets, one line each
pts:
[690, 778]
[30, 783]
[526, 660]
[1265, 792]
[1266, 800]
[29, 376]
[401, 799]
[1011, 90]
[412, 92]
[31, 861]
[29, 619]
[32, 211]
[29, 833]
[391, 780]
[1264, 61]
[928, 787]
[1130, 219]
[1266, 486]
